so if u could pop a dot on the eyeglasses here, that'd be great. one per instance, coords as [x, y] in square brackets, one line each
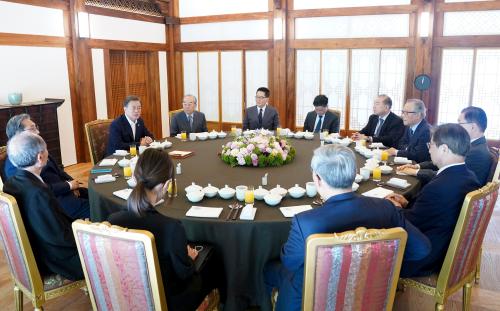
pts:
[462, 123]
[408, 112]
[32, 128]
[260, 97]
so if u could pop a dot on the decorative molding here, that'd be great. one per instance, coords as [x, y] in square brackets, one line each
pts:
[352, 43]
[33, 40]
[374, 10]
[224, 45]
[225, 18]
[124, 45]
[123, 14]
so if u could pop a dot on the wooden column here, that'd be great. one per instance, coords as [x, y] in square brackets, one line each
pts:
[278, 80]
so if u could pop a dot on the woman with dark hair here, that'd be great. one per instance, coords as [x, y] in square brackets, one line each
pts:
[185, 288]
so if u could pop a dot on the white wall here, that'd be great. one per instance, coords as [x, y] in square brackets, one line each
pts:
[29, 19]
[114, 28]
[40, 72]
[99, 84]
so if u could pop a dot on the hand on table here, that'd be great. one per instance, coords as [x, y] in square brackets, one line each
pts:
[392, 151]
[192, 253]
[358, 136]
[74, 184]
[146, 140]
[408, 169]
[397, 200]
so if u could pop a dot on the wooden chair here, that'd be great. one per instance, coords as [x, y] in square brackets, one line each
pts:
[351, 269]
[460, 264]
[97, 133]
[3, 156]
[336, 112]
[495, 165]
[21, 261]
[118, 284]
[172, 113]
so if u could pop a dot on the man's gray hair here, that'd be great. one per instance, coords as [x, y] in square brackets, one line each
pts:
[14, 125]
[194, 98]
[419, 106]
[23, 149]
[336, 165]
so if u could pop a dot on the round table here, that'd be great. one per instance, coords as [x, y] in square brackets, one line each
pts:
[245, 246]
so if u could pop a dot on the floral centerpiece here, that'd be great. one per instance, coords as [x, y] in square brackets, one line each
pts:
[258, 149]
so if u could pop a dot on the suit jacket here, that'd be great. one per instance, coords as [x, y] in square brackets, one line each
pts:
[477, 160]
[270, 119]
[180, 123]
[331, 122]
[340, 213]
[56, 179]
[177, 269]
[121, 135]
[435, 212]
[391, 131]
[414, 147]
[47, 225]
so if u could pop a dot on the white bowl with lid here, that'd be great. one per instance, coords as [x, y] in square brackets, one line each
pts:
[278, 190]
[260, 193]
[226, 192]
[272, 199]
[195, 196]
[210, 191]
[296, 191]
[193, 187]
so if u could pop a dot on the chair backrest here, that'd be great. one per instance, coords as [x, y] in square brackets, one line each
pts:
[353, 268]
[172, 113]
[17, 248]
[97, 133]
[465, 246]
[121, 267]
[3, 156]
[336, 112]
[495, 165]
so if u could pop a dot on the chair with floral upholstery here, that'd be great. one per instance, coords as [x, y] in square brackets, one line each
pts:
[21, 261]
[121, 268]
[460, 264]
[97, 133]
[352, 269]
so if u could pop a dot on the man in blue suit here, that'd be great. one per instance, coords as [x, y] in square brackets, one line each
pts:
[333, 171]
[72, 197]
[128, 129]
[478, 159]
[413, 143]
[436, 208]
[321, 119]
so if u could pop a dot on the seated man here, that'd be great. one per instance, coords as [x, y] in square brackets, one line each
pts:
[262, 115]
[190, 120]
[72, 198]
[321, 119]
[478, 159]
[436, 208]
[413, 143]
[128, 129]
[383, 125]
[333, 171]
[47, 226]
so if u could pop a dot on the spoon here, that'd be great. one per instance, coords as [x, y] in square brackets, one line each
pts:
[237, 207]
[232, 207]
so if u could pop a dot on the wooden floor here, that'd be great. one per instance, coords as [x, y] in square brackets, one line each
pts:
[485, 296]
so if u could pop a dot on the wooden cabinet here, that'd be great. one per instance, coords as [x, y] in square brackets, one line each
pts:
[44, 114]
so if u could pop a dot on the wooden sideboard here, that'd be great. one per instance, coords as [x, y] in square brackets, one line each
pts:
[44, 114]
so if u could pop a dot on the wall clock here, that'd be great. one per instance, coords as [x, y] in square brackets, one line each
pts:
[422, 82]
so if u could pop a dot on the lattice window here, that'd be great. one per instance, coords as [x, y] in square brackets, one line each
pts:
[320, 4]
[144, 7]
[470, 23]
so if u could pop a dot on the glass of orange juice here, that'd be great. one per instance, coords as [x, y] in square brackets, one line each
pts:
[377, 174]
[133, 150]
[278, 131]
[183, 136]
[127, 172]
[172, 188]
[249, 196]
[384, 156]
[233, 130]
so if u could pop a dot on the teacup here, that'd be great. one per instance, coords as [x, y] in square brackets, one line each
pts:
[365, 172]
[240, 192]
[311, 189]
[192, 136]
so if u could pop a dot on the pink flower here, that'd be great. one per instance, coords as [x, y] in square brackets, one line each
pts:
[250, 147]
[241, 161]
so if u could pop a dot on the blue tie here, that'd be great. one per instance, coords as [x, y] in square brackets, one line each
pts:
[318, 126]
[379, 126]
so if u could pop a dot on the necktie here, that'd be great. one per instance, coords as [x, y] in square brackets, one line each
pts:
[191, 122]
[379, 126]
[318, 125]
[260, 117]
[411, 132]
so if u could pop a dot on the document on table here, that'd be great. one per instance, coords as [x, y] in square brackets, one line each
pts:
[290, 211]
[108, 162]
[123, 194]
[205, 212]
[378, 192]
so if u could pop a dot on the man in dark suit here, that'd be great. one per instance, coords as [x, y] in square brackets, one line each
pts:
[262, 115]
[321, 119]
[413, 143]
[47, 225]
[436, 208]
[333, 172]
[189, 120]
[73, 198]
[478, 159]
[128, 129]
[383, 125]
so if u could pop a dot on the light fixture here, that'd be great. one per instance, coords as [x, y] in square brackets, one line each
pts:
[83, 25]
[423, 23]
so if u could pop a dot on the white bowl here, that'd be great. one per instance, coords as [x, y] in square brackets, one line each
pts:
[299, 135]
[226, 192]
[222, 134]
[193, 187]
[358, 178]
[272, 199]
[355, 186]
[166, 144]
[309, 135]
[131, 182]
[345, 142]
[124, 162]
[278, 190]
[156, 145]
[202, 136]
[195, 196]
[290, 134]
[296, 191]
[260, 193]
[386, 169]
[212, 135]
[210, 191]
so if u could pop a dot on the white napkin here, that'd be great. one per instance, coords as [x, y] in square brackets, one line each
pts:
[120, 152]
[290, 211]
[378, 192]
[377, 145]
[401, 160]
[123, 194]
[104, 179]
[108, 162]
[205, 212]
[398, 182]
[248, 212]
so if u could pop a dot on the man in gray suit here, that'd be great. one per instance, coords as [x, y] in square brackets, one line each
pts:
[189, 120]
[262, 115]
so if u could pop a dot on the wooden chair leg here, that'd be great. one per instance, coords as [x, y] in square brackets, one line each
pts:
[467, 291]
[18, 296]
[439, 307]
[478, 267]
